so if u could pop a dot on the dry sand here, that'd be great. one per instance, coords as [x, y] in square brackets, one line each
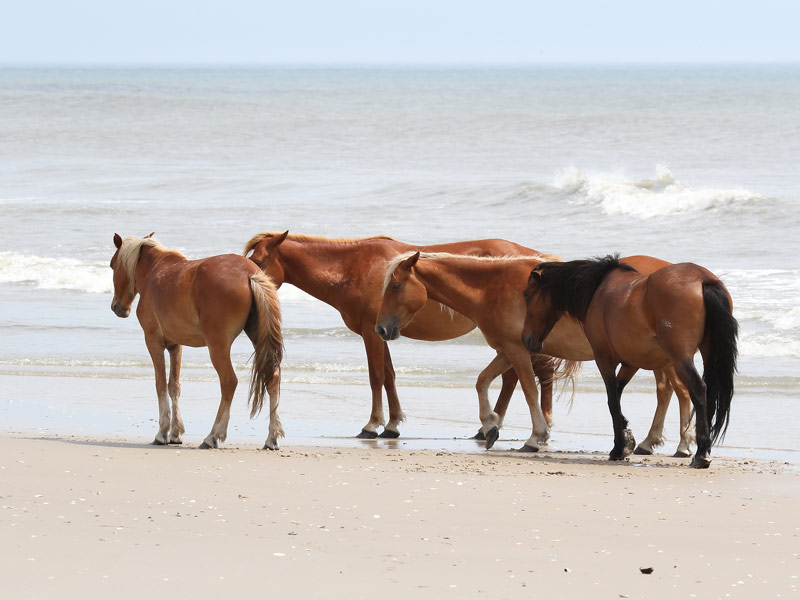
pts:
[86, 518]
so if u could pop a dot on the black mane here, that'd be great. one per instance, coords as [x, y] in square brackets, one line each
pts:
[571, 285]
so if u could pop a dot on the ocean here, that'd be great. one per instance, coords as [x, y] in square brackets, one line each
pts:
[687, 163]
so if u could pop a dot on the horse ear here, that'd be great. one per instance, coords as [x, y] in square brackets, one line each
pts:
[410, 261]
[149, 235]
[281, 238]
[117, 241]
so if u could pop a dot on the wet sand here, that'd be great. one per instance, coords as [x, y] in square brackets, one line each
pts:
[81, 517]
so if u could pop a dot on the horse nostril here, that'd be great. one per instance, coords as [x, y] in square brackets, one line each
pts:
[381, 331]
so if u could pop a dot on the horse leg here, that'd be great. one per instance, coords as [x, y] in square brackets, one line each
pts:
[694, 383]
[685, 404]
[396, 415]
[655, 437]
[176, 429]
[220, 354]
[622, 435]
[503, 398]
[375, 361]
[275, 427]
[155, 345]
[521, 360]
[489, 419]
[545, 373]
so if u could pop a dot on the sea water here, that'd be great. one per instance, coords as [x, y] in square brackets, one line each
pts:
[684, 163]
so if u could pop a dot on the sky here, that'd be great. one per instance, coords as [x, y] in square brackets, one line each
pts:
[397, 32]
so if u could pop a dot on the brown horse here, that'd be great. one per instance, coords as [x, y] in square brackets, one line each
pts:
[348, 274]
[643, 321]
[489, 292]
[197, 303]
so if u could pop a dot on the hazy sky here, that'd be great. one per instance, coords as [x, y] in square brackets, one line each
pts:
[402, 31]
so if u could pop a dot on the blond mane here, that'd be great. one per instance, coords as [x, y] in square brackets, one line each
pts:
[391, 265]
[300, 237]
[129, 252]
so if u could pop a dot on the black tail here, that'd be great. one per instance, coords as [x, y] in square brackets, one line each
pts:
[722, 331]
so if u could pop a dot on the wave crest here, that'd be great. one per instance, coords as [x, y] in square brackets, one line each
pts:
[647, 198]
[55, 273]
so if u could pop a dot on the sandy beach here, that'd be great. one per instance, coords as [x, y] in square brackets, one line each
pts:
[87, 517]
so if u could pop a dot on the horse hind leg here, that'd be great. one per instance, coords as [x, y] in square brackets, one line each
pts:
[221, 359]
[684, 449]
[174, 388]
[655, 437]
[275, 427]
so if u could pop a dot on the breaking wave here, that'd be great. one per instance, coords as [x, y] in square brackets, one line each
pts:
[646, 198]
[55, 273]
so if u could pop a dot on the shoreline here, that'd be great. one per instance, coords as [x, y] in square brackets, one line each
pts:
[82, 516]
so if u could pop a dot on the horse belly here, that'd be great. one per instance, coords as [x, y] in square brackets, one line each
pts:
[435, 322]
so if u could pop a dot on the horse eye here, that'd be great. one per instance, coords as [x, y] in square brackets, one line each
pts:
[396, 287]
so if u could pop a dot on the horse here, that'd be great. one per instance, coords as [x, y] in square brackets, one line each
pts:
[206, 302]
[489, 291]
[347, 274]
[643, 321]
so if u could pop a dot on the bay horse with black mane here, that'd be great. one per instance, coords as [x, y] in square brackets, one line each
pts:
[206, 302]
[644, 321]
[347, 274]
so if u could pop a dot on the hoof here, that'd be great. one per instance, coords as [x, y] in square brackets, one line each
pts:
[389, 434]
[700, 463]
[479, 435]
[492, 436]
[175, 442]
[366, 435]
[642, 451]
[205, 446]
[682, 454]
[157, 442]
[269, 446]
[527, 448]
[630, 442]
[616, 455]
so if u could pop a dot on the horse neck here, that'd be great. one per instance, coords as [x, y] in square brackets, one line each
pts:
[152, 259]
[451, 282]
[321, 267]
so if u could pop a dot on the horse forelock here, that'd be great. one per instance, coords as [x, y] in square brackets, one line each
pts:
[129, 252]
[571, 285]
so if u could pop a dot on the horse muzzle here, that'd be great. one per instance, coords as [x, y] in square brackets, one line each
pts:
[388, 332]
[119, 310]
[533, 344]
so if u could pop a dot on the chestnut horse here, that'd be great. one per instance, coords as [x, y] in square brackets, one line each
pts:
[197, 303]
[644, 321]
[489, 291]
[348, 274]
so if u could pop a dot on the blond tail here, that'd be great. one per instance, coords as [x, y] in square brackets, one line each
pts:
[269, 344]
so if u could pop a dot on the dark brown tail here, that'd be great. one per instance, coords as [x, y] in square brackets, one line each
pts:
[269, 342]
[722, 331]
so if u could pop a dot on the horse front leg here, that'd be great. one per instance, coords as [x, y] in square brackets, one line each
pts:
[655, 437]
[510, 380]
[396, 416]
[221, 359]
[155, 346]
[623, 439]
[375, 364]
[176, 428]
[275, 427]
[545, 371]
[490, 420]
[521, 361]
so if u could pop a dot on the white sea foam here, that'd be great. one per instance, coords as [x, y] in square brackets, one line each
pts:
[55, 273]
[646, 198]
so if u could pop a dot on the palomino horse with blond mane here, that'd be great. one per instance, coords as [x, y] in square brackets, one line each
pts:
[643, 321]
[206, 302]
[489, 291]
[348, 274]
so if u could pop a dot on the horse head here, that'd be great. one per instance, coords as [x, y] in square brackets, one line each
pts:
[540, 316]
[124, 291]
[403, 295]
[265, 254]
